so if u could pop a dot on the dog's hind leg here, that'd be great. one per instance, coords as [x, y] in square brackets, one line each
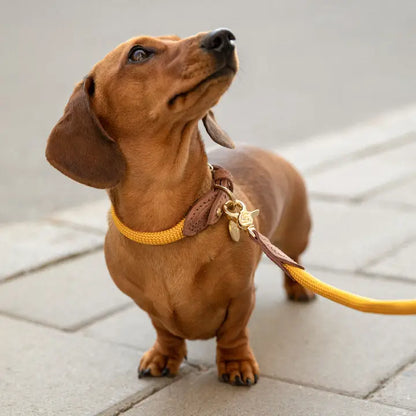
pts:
[292, 236]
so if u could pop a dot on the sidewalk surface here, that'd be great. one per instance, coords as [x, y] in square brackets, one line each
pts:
[71, 342]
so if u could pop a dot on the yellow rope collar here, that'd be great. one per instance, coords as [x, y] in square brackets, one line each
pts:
[157, 238]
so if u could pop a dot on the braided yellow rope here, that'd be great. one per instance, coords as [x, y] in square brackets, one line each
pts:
[154, 239]
[360, 303]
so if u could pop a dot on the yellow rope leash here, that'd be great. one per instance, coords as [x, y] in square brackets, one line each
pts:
[360, 303]
[237, 214]
[244, 219]
[154, 239]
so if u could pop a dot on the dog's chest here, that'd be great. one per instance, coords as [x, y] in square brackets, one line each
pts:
[181, 288]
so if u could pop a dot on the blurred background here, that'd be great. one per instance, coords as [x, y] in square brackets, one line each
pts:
[307, 67]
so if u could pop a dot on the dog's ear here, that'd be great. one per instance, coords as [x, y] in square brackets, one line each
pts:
[80, 148]
[216, 132]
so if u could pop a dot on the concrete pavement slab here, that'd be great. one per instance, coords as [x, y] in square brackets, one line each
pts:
[401, 390]
[203, 395]
[326, 149]
[349, 236]
[357, 178]
[66, 295]
[403, 195]
[132, 327]
[46, 372]
[93, 215]
[400, 264]
[328, 345]
[28, 245]
[320, 344]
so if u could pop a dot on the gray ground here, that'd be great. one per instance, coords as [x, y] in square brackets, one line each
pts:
[71, 341]
[306, 67]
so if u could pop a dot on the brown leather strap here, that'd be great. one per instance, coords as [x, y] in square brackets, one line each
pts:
[205, 210]
[276, 255]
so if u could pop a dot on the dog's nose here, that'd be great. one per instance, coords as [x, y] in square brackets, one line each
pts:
[219, 40]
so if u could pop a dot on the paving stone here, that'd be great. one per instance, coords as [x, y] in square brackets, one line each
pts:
[24, 246]
[403, 195]
[356, 178]
[64, 296]
[349, 236]
[321, 344]
[400, 390]
[399, 264]
[132, 327]
[46, 372]
[93, 215]
[203, 395]
[328, 345]
[324, 149]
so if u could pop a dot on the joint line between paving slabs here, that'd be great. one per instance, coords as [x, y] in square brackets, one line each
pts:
[16, 317]
[78, 227]
[394, 142]
[360, 273]
[313, 386]
[341, 393]
[366, 196]
[387, 277]
[98, 318]
[390, 252]
[390, 377]
[51, 263]
[384, 187]
[124, 405]
[70, 329]
[131, 401]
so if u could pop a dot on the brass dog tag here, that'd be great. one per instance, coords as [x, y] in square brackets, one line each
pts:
[234, 231]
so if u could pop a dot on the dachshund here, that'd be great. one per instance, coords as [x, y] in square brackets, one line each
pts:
[131, 127]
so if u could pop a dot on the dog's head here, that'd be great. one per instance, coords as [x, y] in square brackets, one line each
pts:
[143, 87]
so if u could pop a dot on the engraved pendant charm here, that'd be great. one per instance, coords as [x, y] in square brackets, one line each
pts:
[234, 231]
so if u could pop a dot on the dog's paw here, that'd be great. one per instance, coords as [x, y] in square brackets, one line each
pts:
[300, 294]
[156, 364]
[296, 292]
[238, 372]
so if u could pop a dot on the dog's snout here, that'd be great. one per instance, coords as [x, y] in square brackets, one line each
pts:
[219, 40]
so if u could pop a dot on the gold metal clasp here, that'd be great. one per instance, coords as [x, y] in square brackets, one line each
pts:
[233, 209]
[239, 217]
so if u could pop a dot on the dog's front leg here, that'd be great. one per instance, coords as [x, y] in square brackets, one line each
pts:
[166, 355]
[236, 363]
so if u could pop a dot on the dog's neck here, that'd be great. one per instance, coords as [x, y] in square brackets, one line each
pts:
[164, 178]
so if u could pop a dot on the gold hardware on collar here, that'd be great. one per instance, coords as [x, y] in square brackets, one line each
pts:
[226, 190]
[238, 216]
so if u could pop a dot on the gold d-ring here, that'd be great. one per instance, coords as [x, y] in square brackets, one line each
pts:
[227, 191]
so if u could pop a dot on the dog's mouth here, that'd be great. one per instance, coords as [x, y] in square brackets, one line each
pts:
[227, 70]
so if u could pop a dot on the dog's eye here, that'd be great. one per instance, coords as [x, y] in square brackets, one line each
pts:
[139, 54]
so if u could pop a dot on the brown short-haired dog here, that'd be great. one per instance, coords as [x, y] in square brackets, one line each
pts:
[132, 127]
